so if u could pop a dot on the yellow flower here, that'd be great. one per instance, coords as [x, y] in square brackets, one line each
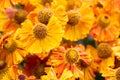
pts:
[104, 56]
[112, 74]
[13, 73]
[66, 75]
[44, 13]
[40, 37]
[79, 23]
[3, 68]
[11, 50]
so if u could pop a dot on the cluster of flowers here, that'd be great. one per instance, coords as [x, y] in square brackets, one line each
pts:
[59, 39]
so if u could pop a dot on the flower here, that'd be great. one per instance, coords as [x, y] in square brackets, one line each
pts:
[12, 18]
[106, 23]
[11, 50]
[44, 13]
[13, 73]
[79, 23]
[74, 59]
[34, 66]
[112, 74]
[66, 75]
[104, 55]
[3, 68]
[40, 37]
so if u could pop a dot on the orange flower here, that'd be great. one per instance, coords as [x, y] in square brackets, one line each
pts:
[11, 19]
[12, 16]
[11, 50]
[105, 28]
[75, 59]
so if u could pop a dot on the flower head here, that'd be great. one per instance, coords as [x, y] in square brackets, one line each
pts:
[11, 50]
[79, 23]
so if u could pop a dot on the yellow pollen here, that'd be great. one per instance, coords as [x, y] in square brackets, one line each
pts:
[40, 31]
[72, 56]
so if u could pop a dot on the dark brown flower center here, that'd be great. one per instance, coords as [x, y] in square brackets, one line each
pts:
[72, 56]
[44, 15]
[10, 45]
[73, 17]
[40, 31]
[104, 50]
[20, 16]
[104, 20]
[118, 74]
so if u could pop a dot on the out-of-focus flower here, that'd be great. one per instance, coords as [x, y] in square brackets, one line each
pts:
[116, 50]
[113, 6]
[11, 50]
[2, 20]
[12, 18]
[12, 73]
[106, 56]
[106, 23]
[66, 75]
[35, 66]
[89, 63]
[79, 23]
[3, 68]
[10, 3]
[103, 32]
[112, 74]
